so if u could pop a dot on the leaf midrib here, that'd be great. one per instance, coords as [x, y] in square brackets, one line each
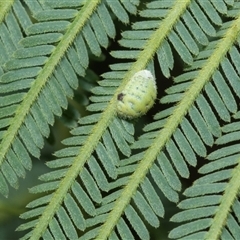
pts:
[41, 80]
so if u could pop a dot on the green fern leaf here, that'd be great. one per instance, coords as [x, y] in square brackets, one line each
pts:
[106, 183]
[44, 69]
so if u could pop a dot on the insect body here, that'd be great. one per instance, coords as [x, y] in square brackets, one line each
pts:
[138, 96]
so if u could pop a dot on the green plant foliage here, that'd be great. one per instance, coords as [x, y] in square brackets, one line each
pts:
[113, 180]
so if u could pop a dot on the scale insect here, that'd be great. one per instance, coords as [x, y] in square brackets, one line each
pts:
[138, 95]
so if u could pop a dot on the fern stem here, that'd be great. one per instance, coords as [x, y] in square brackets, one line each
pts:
[144, 57]
[44, 75]
[224, 208]
[233, 186]
[75, 27]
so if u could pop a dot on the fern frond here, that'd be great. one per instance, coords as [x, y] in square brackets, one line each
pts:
[208, 190]
[222, 210]
[163, 137]
[45, 66]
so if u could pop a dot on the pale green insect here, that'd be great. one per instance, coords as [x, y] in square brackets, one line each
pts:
[138, 96]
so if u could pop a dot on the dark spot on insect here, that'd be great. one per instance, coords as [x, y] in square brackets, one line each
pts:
[120, 96]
